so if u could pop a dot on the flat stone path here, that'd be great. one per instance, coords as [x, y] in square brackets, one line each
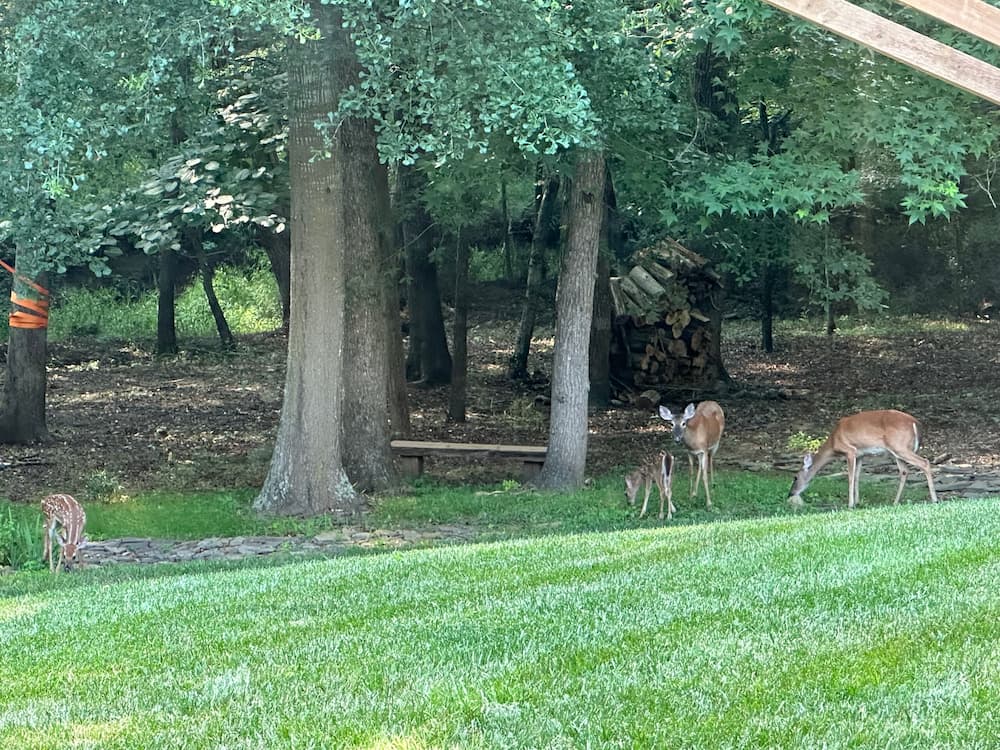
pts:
[152, 551]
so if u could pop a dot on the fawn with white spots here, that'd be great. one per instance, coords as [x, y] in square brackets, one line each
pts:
[64, 522]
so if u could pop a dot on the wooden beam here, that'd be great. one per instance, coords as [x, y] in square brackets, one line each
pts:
[899, 43]
[971, 16]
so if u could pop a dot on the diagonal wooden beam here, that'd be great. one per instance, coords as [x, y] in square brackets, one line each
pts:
[971, 16]
[899, 43]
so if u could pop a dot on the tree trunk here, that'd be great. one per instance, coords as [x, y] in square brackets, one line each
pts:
[542, 239]
[367, 455]
[767, 309]
[278, 245]
[192, 237]
[508, 238]
[567, 455]
[22, 412]
[428, 360]
[459, 370]
[166, 281]
[600, 329]
[306, 475]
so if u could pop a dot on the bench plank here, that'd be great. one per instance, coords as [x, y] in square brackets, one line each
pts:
[412, 453]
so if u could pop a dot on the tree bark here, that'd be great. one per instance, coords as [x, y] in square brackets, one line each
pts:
[366, 452]
[428, 360]
[166, 282]
[306, 475]
[600, 329]
[543, 238]
[22, 412]
[192, 237]
[278, 247]
[566, 461]
[767, 309]
[460, 364]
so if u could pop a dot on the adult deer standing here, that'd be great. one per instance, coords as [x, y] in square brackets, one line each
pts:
[867, 433]
[658, 469]
[64, 522]
[700, 429]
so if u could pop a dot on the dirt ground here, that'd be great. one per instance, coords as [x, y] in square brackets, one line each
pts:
[119, 416]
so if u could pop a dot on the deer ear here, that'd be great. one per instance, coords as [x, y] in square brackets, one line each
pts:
[666, 414]
[807, 461]
[689, 412]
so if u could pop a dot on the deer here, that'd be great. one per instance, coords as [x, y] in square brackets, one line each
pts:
[867, 433]
[658, 469]
[64, 522]
[700, 429]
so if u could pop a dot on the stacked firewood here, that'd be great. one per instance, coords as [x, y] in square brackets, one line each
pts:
[666, 319]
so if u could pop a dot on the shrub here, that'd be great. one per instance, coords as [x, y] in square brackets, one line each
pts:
[20, 540]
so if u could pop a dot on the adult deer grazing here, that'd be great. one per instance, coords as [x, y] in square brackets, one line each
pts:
[64, 522]
[867, 433]
[700, 430]
[658, 469]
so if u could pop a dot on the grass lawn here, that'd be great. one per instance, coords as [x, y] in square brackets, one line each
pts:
[876, 628]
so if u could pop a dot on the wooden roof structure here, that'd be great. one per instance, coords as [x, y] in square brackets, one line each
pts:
[910, 47]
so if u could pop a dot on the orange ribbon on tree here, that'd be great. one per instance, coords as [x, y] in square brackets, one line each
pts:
[32, 313]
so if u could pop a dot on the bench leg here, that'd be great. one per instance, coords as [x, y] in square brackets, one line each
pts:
[531, 469]
[411, 466]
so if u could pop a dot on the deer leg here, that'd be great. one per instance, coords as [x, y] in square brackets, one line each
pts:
[705, 458]
[694, 476]
[645, 499]
[47, 546]
[902, 479]
[915, 459]
[852, 478]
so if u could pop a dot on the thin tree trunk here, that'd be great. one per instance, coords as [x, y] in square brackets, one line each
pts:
[166, 282]
[600, 331]
[192, 237]
[22, 411]
[508, 239]
[278, 246]
[459, 369]
[366, 452]
[428, 360]
[540, 242]
[566, 461]
[767, 309]
[306, 475]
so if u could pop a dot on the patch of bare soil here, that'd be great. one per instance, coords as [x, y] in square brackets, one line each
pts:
[207, 420]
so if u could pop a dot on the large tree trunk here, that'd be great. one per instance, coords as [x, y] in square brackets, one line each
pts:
[166, 282]
[22, 412]
[428, 360]
[543, 238]
[567, 455]
[366, 452]
[306, 475]
[460, 366]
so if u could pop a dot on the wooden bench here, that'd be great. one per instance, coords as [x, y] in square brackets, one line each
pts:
[411, 454]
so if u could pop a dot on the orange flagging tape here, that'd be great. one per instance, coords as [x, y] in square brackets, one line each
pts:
[35, 312]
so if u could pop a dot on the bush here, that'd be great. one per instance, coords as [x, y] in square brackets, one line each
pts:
[20, 540]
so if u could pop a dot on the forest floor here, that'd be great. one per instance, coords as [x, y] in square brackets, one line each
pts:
[204, 419]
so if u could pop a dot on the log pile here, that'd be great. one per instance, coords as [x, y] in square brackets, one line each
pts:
[667, 322]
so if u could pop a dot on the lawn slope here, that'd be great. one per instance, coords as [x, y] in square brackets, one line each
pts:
[875, 628]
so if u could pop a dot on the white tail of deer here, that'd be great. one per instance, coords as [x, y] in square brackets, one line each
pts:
[64, 522]
[700, 429]
[658, 469]
[867, 433]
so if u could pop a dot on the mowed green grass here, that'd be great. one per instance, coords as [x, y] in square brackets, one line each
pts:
[875, 628]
